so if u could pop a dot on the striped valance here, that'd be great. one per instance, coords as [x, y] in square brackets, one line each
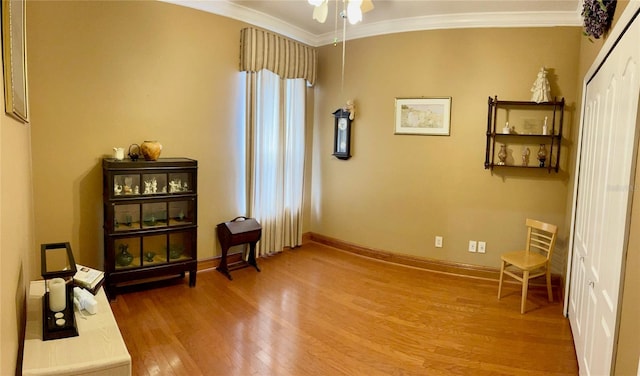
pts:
[287, 58]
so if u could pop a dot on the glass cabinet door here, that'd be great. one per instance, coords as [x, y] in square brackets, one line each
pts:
[180, 246]
[126, 217]
[154, 249]
[180, 182]
[154, 214]
[154, 184]
[181, 213]
[126, 185]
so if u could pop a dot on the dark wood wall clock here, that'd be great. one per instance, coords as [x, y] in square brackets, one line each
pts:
[342, 135]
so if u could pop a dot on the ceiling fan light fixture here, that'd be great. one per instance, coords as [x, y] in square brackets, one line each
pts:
[354, 9]
[354, 13]
[366, 6]
[320, 11]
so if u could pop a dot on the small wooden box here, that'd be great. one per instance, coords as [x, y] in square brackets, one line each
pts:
[241, 230]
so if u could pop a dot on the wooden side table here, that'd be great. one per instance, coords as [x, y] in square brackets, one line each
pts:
[241, 230]
[98, 349]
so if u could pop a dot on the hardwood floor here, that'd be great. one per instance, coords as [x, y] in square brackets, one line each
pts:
[319, 311]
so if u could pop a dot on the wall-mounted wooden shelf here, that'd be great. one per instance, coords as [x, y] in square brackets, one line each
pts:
[527, 132]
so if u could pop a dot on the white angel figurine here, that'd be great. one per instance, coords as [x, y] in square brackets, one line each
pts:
[541, 90]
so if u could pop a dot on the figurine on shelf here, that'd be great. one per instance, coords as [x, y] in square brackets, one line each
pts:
[117, 189]
[124, 258]
[175, 186]
[542, 155]
[151, 186]
[541, 90]
[502, 155]
[147, 187]
[525, 156]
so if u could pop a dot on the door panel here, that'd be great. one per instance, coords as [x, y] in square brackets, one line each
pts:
[603, 203]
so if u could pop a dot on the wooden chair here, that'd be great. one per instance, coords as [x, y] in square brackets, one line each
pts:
[533, 262]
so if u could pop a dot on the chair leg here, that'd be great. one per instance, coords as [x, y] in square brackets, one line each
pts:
[549, 292]
[525, 286]
[501, 278]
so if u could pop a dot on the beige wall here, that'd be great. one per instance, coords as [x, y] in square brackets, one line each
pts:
[16, 234]
[398, 192]
[107, 74]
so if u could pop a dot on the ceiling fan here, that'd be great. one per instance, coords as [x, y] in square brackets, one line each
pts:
[352, 9]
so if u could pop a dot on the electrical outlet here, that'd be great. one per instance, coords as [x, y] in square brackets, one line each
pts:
[438, 241]
[472, 245]
[482, 247]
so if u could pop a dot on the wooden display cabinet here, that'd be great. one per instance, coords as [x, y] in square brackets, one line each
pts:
[150, 220]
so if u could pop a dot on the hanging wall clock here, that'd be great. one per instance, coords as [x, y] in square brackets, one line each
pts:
[342, 135]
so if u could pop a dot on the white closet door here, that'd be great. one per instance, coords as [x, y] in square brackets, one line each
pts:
[604, 190]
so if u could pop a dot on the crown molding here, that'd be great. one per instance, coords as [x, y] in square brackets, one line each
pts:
[250, 16]
[448, 21]
[459, 21]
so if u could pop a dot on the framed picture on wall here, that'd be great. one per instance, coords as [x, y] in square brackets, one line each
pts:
[423, 116]
[14, 59]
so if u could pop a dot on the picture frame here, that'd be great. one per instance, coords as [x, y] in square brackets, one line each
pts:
[15, 59]
[423, 116]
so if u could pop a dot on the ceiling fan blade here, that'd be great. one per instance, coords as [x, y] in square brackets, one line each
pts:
[367, 5]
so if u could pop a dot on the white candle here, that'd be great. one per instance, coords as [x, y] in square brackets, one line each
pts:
[57, 295]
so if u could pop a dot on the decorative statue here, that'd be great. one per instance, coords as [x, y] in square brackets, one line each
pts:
[525, 156]
[541, 90]
[542, 155]
[147, 187]
[502, 155]
[351, 107]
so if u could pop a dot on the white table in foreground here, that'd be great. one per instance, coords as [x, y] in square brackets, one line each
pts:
[98, 349]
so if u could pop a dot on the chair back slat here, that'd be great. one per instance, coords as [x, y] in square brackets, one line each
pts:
[541, 237]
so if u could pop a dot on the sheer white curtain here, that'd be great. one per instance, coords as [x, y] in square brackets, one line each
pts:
[275, 147]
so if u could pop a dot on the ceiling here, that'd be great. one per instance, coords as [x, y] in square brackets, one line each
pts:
[293, 18]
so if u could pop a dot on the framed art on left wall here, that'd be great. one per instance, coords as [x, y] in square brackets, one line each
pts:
[15, 59]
